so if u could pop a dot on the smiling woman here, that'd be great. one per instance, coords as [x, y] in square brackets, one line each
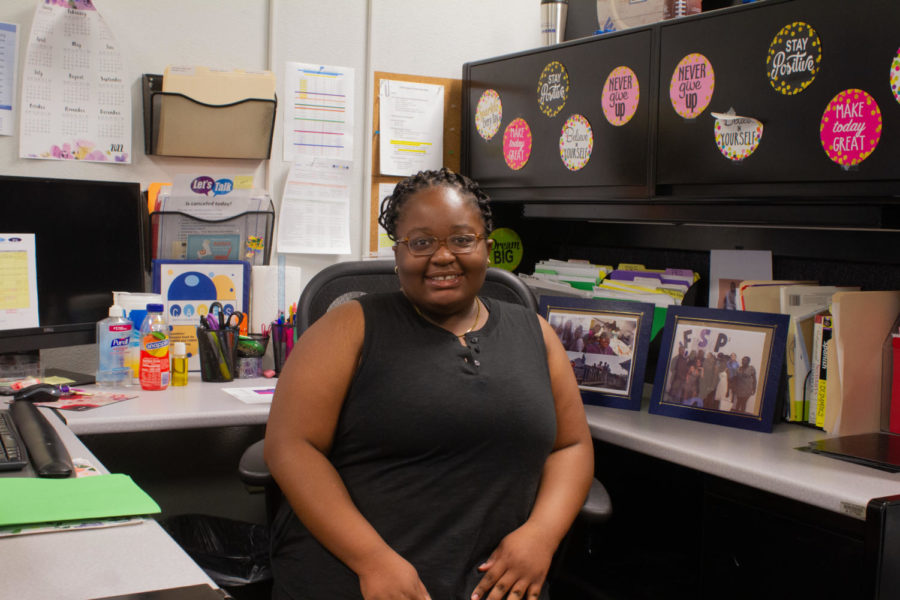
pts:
[430, 443]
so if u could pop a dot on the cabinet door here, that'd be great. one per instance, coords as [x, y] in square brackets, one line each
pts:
[858, 46]
[618, 162]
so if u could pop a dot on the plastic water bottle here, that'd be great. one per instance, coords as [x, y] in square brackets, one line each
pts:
[155, 349]
[113, 336]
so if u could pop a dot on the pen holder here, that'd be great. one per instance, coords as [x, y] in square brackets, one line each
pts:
[282, 343]
[250, 351]
[217, 353]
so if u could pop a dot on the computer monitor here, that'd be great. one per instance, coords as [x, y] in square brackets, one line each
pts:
[90, 240]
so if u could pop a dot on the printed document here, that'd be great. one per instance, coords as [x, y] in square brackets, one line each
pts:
[318, 114]
[384, 243]
[18, 281]
[8, 39]
[315, 208]
[411, 125]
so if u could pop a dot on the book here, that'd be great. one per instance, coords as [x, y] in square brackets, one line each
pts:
[798, 359]
[894, 423]
[812, 384]
[821, 383]
[802, 303]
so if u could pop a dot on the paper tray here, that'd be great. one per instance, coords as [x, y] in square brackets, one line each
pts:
[176, 125]
[175, 235]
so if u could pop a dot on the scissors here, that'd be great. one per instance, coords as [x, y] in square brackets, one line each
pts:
[215, 312]
[234, 320]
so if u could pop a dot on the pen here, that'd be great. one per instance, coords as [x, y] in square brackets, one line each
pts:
[215, 341]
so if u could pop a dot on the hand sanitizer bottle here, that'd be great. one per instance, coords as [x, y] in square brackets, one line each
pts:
[113, 337]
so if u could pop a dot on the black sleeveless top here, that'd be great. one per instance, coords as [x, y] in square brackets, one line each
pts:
[441, 447]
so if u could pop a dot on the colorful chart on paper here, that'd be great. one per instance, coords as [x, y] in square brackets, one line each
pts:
[692, 85]
[851, 127]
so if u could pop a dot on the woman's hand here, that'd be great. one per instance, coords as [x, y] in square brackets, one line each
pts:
[391, 578]
[517, 568]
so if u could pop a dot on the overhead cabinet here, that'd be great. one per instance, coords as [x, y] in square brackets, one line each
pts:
[815, 74]
[536, 121]
[777, 104]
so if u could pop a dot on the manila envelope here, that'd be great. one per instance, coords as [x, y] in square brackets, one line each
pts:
[765, 296]
[862, 321]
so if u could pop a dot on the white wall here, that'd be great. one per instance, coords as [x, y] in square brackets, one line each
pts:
[420, 37]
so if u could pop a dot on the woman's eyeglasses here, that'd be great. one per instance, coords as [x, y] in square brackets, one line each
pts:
[426, 245]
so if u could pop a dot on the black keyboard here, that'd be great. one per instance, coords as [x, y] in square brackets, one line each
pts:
[12, 449]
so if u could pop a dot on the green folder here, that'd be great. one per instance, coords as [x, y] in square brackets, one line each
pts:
[39, 500]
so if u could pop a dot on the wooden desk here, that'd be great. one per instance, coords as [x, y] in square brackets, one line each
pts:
[94, 563]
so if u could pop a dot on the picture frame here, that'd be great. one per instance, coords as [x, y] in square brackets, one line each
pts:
[609, 356]
[745, 351]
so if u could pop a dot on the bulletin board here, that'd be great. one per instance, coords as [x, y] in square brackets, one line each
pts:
[452, 143]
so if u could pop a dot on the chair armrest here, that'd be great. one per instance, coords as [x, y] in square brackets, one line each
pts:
[252, 468]
[598, 505]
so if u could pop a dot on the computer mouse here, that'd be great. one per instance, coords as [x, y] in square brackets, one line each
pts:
[39, 392]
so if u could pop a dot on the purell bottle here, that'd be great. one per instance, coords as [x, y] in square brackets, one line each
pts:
[113, 336]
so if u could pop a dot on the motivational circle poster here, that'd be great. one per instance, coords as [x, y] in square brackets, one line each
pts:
[895, 76]
[851, 127]
[620, 96]
[737, 137]
[576, 142]
[553, 88]
[692, 85]
[517, 144]
[488, 114]
[794, 59]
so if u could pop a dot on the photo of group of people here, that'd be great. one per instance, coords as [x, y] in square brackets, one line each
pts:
[716, 368]
[600, 347]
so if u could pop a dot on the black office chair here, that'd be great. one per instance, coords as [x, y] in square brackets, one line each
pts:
[345, 281]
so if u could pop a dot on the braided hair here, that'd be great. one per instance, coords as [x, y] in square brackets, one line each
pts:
[392, 206]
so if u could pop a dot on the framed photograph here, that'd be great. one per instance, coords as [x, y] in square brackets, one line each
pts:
[607, 342]
[720, 366]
